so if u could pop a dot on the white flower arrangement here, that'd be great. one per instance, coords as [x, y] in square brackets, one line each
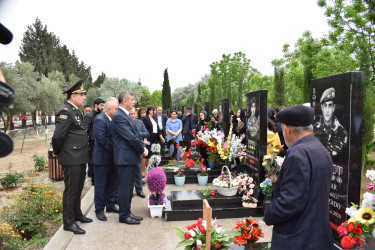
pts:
[224, 183]
[155, 148]
[236, 148]
[370, 174]
[154, 161]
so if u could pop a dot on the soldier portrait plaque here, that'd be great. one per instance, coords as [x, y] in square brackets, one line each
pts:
[338, 104]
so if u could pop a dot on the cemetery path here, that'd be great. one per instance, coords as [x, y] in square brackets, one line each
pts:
[152, 233]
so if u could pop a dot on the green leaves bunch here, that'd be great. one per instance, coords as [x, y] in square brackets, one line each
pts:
[40, 162]
[11, 179]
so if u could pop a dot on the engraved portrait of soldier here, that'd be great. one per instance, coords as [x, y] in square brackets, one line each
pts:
[327, 128]
[252, 122]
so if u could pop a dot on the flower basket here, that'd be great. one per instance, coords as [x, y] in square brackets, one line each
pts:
[228, 191]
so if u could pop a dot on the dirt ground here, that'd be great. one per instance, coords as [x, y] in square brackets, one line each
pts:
[23, 162]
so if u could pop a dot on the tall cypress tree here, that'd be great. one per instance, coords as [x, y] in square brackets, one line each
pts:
[166, 97]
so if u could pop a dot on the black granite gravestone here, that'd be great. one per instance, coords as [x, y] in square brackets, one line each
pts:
[206, 107]
[338, 103]
[224, 119]
[195, 107]
[256, 131]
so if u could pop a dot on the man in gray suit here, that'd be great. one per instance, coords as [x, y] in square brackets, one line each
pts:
[128, 147]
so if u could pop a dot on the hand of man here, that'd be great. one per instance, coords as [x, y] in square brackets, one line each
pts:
[145, 153]
[162, 140]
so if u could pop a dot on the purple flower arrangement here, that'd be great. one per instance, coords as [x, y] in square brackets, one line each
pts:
[156, 180]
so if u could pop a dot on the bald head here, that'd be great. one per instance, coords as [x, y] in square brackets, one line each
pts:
[110, 107]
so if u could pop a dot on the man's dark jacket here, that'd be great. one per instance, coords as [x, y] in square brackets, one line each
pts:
[299, 210]
[69, 140]
[103, 149]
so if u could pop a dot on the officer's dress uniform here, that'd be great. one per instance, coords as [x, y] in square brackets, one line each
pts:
[70, 144]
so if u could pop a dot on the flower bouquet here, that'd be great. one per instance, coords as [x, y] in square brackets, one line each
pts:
[156, 180]
[203, 171]
[362, 220]
[180, 172]
[248, 189]
[225, 184]
[250, 231]
[272, 165]
[155, 158]
[266, 186]
[194, 236]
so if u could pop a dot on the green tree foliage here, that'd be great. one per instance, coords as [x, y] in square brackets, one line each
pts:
[231, 73]
[156, 98]
[92, 94]
[146, 98]
[99, 81]
[278, 99]
[43, 50]
[166, 92]
[112, 86]
[353, 31]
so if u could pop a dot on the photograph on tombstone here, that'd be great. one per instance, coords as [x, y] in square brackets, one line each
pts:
[256, 132]
[338, 104]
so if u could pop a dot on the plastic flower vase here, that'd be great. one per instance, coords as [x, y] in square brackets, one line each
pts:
[179, 181]
[156, 210]
[211, 164]
[202, 180]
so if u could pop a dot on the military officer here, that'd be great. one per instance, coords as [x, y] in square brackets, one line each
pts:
[327, 127]
[70, 144]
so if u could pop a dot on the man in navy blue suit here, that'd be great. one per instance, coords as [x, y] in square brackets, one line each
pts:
[299, 210]
[128, 147]
[103, 162]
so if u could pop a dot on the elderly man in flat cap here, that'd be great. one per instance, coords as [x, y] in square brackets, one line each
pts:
[70, 144]
[299, 210]
[328, 129]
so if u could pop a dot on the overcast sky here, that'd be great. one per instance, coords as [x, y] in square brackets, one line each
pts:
[138, 39]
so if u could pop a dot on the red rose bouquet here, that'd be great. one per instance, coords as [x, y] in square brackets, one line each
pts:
[250, 231]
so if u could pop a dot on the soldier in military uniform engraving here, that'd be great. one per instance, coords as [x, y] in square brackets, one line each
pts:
[252, 122]
[70, 144]
[327, 127]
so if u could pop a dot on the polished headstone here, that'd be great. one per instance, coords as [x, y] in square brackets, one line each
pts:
[256, 144]
[342, 98]
[224, 119]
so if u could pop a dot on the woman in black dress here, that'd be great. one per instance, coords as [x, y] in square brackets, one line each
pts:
[153, 129]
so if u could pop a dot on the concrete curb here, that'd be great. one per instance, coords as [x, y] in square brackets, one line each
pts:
[62, 238]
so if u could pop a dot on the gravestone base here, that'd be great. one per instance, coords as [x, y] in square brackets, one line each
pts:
[187, 205]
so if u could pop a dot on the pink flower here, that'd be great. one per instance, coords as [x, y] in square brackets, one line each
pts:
[252, 185]
[250, 192]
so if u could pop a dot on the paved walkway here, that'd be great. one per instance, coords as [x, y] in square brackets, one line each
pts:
[150, 234]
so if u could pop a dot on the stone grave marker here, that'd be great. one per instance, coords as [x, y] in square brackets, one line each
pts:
[206, 107]
[256, 132]
[338, 104]
[224, 119]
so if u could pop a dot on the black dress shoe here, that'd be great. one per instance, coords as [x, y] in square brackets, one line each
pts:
[112, 210]
[101, 216]
[138, 218]
[129, 220]
[84, 219]
[75, 229]
[141, 194]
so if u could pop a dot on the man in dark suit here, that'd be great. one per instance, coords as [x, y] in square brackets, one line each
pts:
[103, 162]
[299, 210]
[161, 119]
[70, 144]
[189, 122]
[89, 124]
[144, 134]
[128, 147]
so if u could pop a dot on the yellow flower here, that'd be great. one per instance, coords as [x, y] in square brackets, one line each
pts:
[22, 231]
[365, 215]
[56, 211]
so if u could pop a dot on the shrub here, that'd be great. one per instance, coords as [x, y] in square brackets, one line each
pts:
[34, 206]
[9, 239]
[11, 179]
[40, 162]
